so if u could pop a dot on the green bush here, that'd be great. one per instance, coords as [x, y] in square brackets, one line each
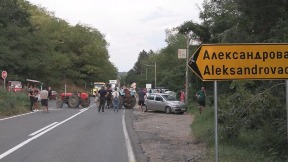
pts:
[251, 123]
[13, 103]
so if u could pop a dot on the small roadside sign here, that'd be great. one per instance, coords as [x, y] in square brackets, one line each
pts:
[240, 61]
[148, 86]
[4, 74]
[182, 53]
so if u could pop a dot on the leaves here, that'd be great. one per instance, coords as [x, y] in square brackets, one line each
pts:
[37, 45]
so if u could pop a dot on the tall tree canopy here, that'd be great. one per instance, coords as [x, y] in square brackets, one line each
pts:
[35, 44]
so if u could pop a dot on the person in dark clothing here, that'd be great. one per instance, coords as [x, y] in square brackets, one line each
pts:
[142, 96]
[31, 96]
[102, 92]
[201, 95]
[109, 97]
[49, 93]
[36, 103]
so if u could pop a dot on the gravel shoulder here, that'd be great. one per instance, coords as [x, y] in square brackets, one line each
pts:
[166, 137]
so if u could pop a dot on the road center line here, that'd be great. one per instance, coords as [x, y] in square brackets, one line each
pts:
[131, 156]
[40, 130]
[36, 136]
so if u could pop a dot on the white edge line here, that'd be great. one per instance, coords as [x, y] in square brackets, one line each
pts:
[35, 112]
[36, 136]
[131, 156]
[40, 130]
[16, 116]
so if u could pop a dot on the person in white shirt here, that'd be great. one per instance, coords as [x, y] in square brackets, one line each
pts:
[115, 95]
[44, 99]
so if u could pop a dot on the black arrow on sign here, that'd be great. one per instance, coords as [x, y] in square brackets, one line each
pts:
[193, 65]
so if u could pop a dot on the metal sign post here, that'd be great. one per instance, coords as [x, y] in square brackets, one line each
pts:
[216, 120]
[187, 74]
[286, 81]
[4, 83]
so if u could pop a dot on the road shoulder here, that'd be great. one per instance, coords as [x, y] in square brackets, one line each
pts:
[165, 137]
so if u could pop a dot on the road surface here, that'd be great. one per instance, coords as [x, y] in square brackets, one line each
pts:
[66, 134]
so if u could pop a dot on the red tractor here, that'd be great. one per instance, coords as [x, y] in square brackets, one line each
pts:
[73, 100]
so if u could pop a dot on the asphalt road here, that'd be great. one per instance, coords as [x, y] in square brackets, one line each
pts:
[66, 135]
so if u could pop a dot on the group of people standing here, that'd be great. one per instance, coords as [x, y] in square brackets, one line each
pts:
[105, 96]
[35, 95]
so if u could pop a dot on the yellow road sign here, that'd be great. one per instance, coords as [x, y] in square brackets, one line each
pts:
[240, 61]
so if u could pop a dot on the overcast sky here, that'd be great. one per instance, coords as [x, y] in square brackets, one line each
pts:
[129, 26]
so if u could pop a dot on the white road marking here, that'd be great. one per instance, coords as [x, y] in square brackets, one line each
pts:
[131, 156]
[16, 116]
[50, 108]
[36, 136]
[83, 109]
[40, 130]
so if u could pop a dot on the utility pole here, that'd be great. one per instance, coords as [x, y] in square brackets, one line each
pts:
[155, 75]
[155, 66]
[187, 74]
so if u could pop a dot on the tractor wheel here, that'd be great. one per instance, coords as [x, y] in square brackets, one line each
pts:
[121, 101]
[127, 102]
[130, 102]
[133, 101]
[59, 103]
[86, 103]
[73, 101]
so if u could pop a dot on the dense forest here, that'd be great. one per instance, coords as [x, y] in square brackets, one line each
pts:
[250, 111]
[37, 45]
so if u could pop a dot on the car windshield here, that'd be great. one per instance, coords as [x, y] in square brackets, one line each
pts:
[169, 97]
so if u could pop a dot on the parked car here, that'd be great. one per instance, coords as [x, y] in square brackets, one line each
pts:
[157, 90]
[171, 93]
[165, 103]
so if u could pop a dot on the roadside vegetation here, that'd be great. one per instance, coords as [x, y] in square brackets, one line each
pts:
[13, 103]
[244, 135]
[18, 103]
[34, 44]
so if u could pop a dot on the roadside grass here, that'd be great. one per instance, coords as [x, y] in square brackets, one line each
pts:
[242, 149]
[13, 103]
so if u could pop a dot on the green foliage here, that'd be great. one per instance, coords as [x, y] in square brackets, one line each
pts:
[35, 44]
[170, 71]
[13, 103]
[203, 125]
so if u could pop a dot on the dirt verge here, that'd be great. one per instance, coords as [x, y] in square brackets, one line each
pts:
[167, 137]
